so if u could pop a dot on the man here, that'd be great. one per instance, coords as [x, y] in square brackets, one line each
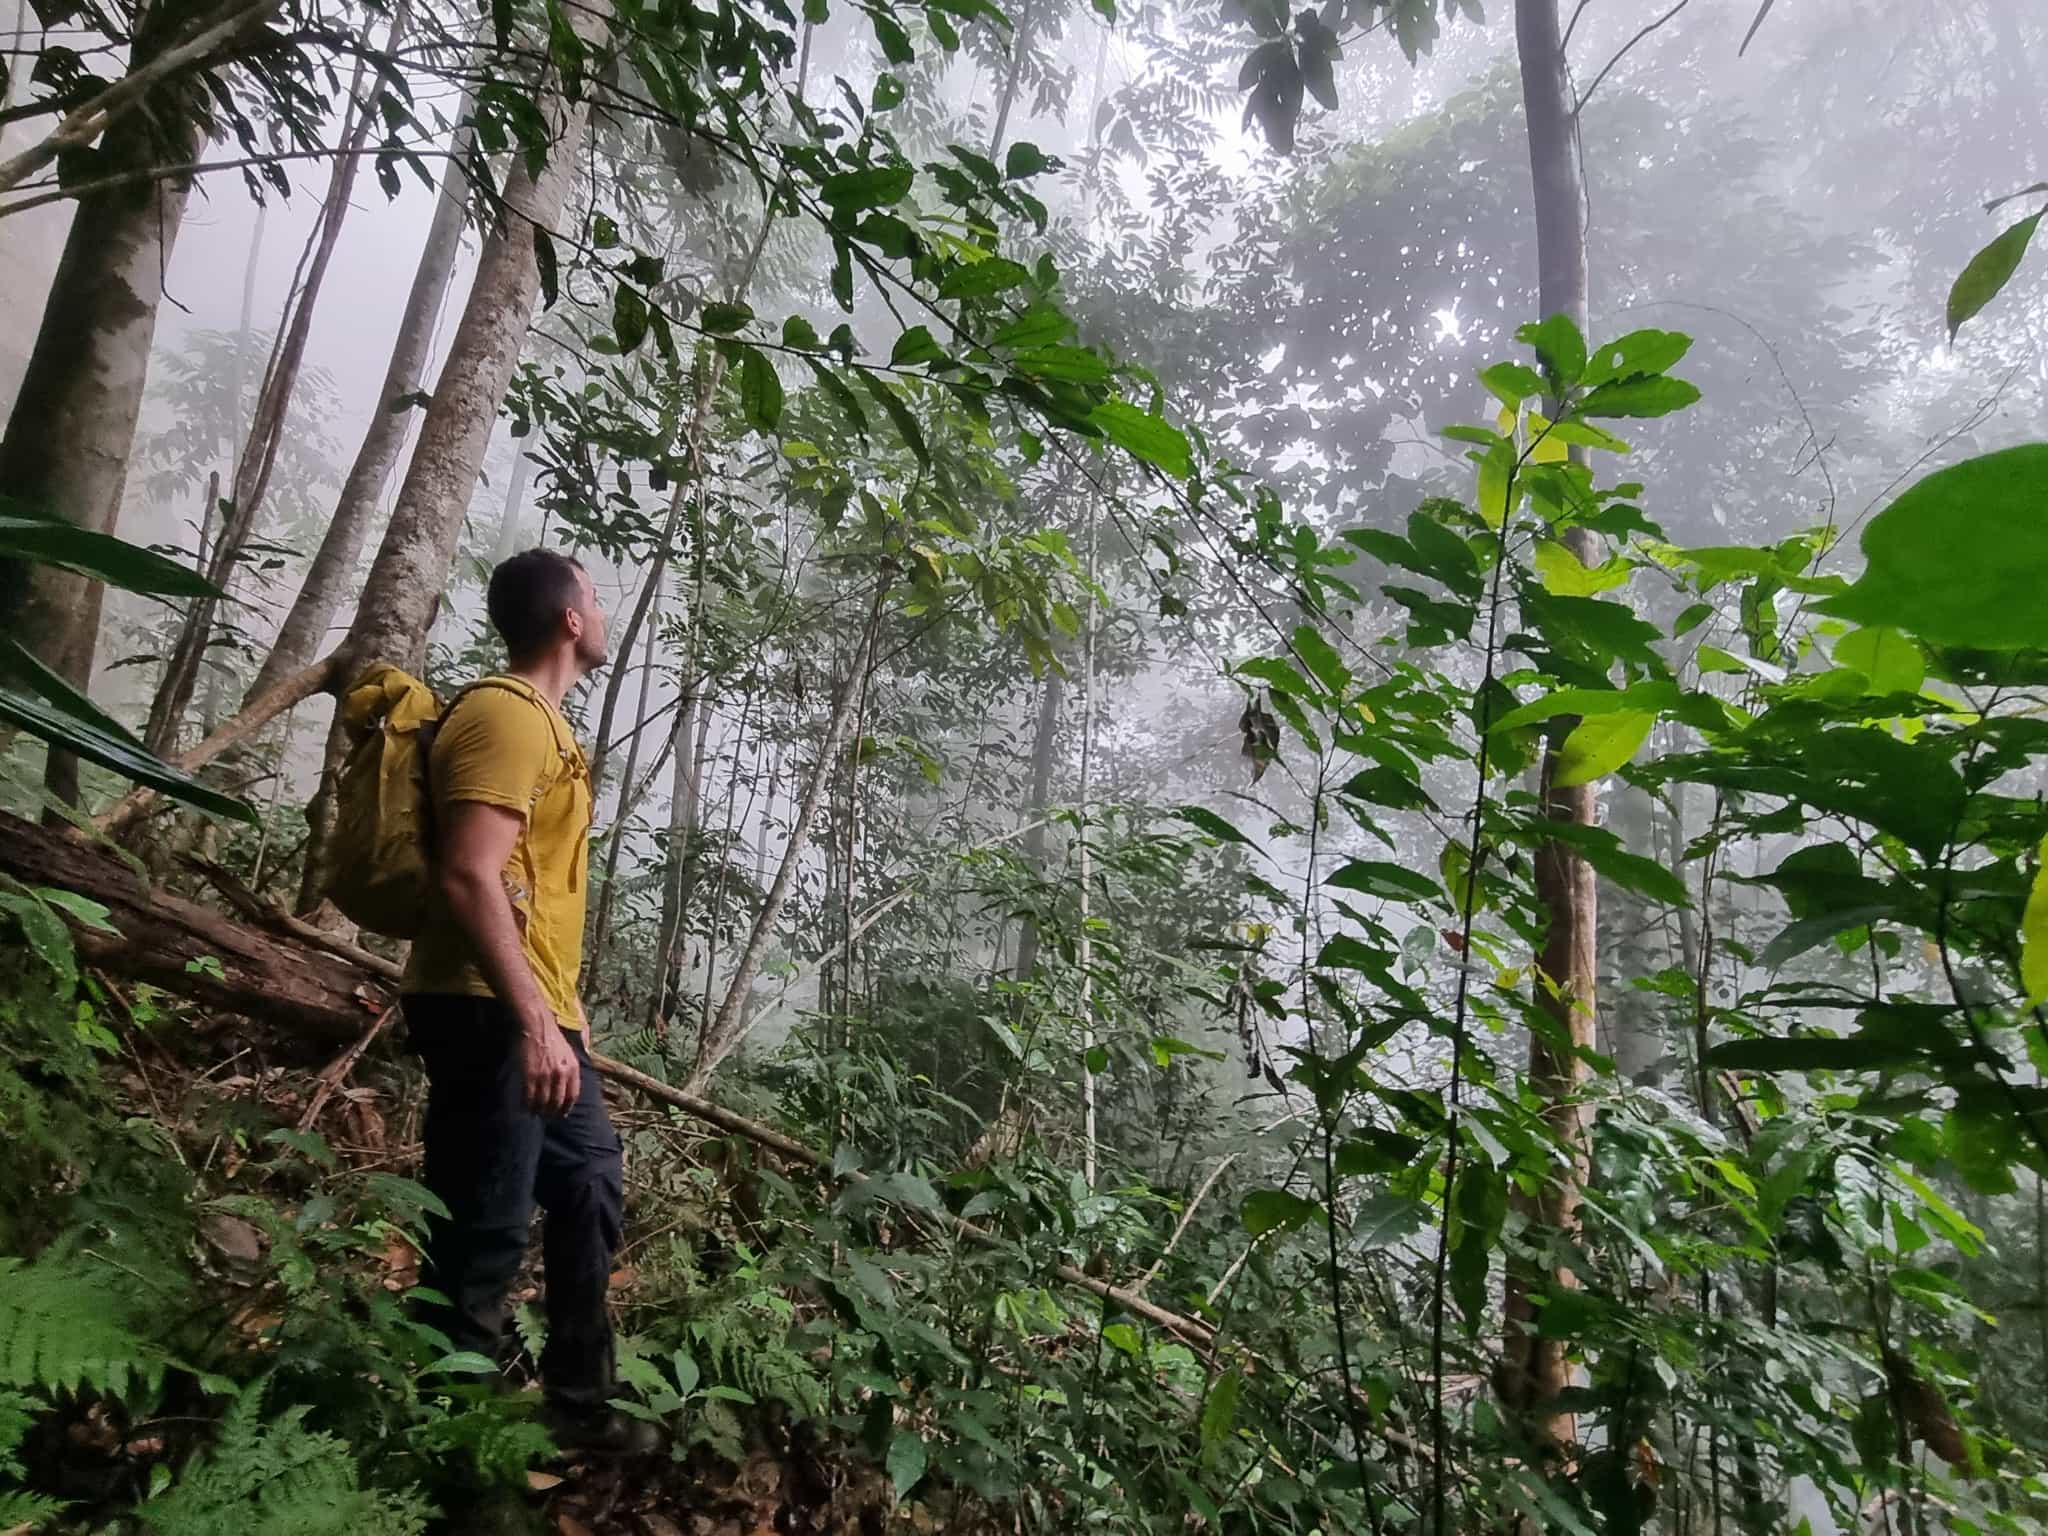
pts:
[515, 1112]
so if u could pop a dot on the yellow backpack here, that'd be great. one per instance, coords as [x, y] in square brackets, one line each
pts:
[378, 872]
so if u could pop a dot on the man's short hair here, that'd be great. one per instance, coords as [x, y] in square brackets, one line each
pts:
[528, 595]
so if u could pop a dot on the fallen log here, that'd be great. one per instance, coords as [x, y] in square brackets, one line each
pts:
[191, 950]
[1188, 1328]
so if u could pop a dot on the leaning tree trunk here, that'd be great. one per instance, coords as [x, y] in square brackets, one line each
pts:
[305, 627]
[1537, 1370]
[273, 403]
[400, 595]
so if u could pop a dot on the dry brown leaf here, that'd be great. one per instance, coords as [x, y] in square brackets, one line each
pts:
[541, 1482]
[568, 1525]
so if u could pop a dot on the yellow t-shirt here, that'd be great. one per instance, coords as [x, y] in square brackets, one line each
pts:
[508, 746]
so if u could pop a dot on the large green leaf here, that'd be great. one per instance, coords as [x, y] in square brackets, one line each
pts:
[1156, 441]
[1600, 744]
[120, 752]
[1371, 877]
[760, 391]
[26, 534]
[1962, 557]
[2034, 934]
[876, 187]
[1988, 272]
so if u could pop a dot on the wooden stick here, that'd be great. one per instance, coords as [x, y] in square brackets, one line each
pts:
[1197, 1333]
[336, 1072]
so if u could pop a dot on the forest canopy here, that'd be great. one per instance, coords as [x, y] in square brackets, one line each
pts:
[1318, 803]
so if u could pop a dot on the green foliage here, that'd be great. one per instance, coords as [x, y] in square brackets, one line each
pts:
[58, 1333]
[269, 1474]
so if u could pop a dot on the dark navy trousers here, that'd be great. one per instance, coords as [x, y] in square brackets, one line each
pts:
[491, 1160]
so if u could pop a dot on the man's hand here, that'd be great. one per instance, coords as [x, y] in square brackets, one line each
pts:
[554, 1077]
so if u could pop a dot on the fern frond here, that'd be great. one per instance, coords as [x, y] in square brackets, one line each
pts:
[26, 1511]
[59, 1331]
[275, 1477]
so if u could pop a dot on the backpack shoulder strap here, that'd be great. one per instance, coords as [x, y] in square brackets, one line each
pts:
[563, 753]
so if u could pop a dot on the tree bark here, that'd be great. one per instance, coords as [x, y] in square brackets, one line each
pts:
[266, 425]
[72, 429]
[305, 627]
[402, 591]
[1050, 697]
[399, 596]
[1536, 1371]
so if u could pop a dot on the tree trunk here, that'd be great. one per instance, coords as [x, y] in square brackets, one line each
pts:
[72, 429]
[1049, 699]
[273, 403]
[402, 591]
[1084, 944]
[1537, 1371]
[723, 1031]
[509, 521]
[328, 578]
[607, 892]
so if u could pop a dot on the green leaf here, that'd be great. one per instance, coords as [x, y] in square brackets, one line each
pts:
[1962, 557]
[1892, 662]
[1637, 353]
[1559, 346]
[1563, 572]
[980, 279]
[1208, 821]
[2034, 933]
[1219, 1413]
[1496, 483]
[45, 933]
[1026, 160]
[888, 93]
[1600, 744]
[878, 186]
[914, 346]
[1657, 396]
[1511, 384]
[120, 752]
[1659, 697]
[1808, 1053]
[1482, 1204]
[1321, 658]
[26, 535]
[1156, 441]
[1039, 326]
[899, 413]
[629, 317]
[1373, 878]
[760, 391]
[1275, 1210]
[724, 319]
[1988, 272]
[906, 1462]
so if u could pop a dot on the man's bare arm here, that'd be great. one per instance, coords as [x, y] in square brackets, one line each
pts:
[476, 841]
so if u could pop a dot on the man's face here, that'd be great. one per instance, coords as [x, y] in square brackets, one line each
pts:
[589, 626]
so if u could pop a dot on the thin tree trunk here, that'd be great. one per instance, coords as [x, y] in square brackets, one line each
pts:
[1084, 945]
[515, 496]
[601, 927]
[304, 632]
[402, 591]
[72, 429]
[1018, 43]
[1537, 1370]
[273, 403]
[1049, 698]
[723, 1031]
[682, 835]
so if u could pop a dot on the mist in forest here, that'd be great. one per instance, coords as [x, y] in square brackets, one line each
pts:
[1051, 748]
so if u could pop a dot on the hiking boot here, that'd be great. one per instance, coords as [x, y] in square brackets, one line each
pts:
[598, 1430]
